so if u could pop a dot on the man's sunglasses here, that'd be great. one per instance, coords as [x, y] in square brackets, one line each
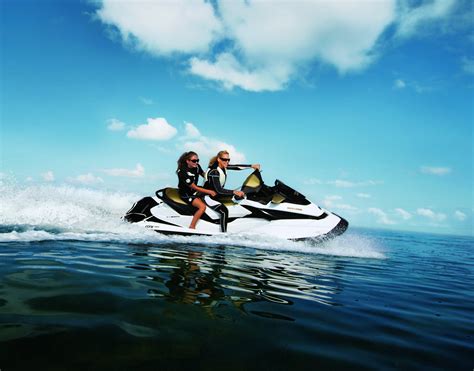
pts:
[194, 161]
[225, 159]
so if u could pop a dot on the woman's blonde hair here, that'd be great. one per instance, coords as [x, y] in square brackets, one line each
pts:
[213, 160]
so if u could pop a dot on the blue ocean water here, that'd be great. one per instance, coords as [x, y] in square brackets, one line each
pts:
[79, 289]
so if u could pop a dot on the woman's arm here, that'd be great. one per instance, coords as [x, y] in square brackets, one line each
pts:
[243, 167]
[209, 192]
[213, 178]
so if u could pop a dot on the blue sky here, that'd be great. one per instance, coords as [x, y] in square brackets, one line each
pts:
[365, 107]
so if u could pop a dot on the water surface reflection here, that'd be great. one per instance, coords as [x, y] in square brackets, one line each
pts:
[210, 278]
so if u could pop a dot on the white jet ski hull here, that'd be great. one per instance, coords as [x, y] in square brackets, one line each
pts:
[277, 211]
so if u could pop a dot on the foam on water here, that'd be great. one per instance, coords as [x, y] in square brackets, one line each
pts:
[63, 207]
[65, 212]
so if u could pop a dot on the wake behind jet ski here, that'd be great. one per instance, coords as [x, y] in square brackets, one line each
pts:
[276, 210]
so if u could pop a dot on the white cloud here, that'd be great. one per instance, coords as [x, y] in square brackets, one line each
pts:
[345, 184]
[342, 183]
[231, 73]
[268, 50]
[405, 215]
[261, 45]
[163, 27]
[346, 207]
[329, 200]
[115, 125]
[146, 101]
[468, 65]
[155, 129]
[430, 214]
[382, 217]
[418, 87]
[348, 184]
[313, 181]
[399, 84]
[435, 170]
[459, 215]
[138, 172]
[338, 34]
[263, 52]
[191, 130]
[48, 176]
[363, 195]
[332, 202]
[209, 147]
[411, 19]
[88, 178]
[166, 151]
[205, 146]
[28, 179]
[423, 88]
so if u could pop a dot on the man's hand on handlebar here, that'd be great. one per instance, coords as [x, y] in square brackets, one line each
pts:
[239, 194]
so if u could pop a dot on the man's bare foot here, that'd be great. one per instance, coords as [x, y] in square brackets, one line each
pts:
[192, 227]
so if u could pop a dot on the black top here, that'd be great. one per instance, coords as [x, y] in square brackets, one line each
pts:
[187, 177]
[214, 182]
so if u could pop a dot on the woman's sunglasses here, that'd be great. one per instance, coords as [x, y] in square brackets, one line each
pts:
[225, 159]
[194, 161]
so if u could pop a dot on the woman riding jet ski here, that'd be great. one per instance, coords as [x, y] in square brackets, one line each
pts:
[216, 177]
[277, 211]
[188, 174]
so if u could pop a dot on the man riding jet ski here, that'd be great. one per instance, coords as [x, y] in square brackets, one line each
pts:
[277, 210]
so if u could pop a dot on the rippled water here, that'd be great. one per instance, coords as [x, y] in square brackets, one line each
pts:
[81, 290]
[370, 299]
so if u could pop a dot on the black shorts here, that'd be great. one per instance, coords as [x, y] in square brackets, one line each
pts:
[189, 198]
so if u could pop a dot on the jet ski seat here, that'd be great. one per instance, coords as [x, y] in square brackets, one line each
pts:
[171, 197]
[278, 198]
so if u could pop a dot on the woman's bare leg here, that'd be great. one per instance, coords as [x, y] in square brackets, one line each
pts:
[201, 206]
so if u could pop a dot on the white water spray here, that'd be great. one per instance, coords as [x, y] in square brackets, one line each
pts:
[65, 212]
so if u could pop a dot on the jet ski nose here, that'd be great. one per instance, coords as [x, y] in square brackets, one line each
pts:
[341, 227]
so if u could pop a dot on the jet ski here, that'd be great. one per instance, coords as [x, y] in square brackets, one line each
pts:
[277, 210]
